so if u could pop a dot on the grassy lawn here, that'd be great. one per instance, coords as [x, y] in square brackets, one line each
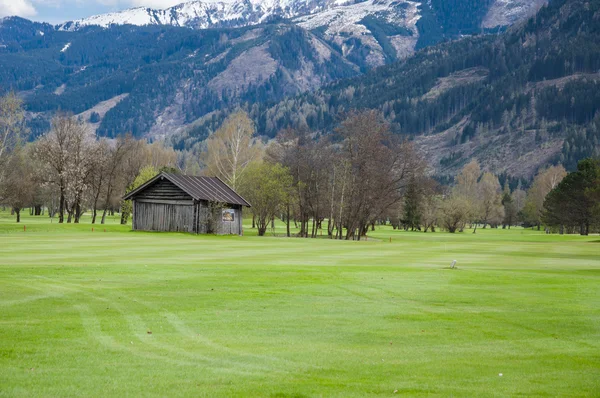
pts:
[120, 313]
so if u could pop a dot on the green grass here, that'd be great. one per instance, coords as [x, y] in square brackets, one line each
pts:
[250, 316]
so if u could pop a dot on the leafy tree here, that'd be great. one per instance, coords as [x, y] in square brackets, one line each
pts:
[574, 201]
[145, 175]
[267, 187]
[510, 208]
[412, 208]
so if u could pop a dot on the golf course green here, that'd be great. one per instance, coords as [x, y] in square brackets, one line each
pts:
[120, 313]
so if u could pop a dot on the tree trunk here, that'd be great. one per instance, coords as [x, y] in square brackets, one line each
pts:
[17, 213]
[77, 212]
[103, 220]
[61, 207]
[253, 221]
[287, 216]
[262, 227]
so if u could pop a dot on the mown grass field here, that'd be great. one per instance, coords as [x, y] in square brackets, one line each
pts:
[120, 313]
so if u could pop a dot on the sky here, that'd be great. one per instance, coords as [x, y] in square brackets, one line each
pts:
[55, 11]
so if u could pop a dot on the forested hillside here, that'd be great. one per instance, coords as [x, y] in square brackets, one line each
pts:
[159, 77]
[518, 100]
[161, 80]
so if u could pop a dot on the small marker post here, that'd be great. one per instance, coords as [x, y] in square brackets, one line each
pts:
[390, 239]
[92, 229]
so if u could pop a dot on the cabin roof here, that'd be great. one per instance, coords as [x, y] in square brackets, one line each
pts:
[200, 188]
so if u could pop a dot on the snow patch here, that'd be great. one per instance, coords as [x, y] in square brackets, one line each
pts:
[210, 13]
[65, 48]
[507, 12]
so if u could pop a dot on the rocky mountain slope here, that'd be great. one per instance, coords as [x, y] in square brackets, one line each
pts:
[161, 80]
[515, 101]
[164, 77]
[374, 30]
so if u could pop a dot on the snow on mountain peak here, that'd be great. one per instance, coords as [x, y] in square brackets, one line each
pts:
[203, 14]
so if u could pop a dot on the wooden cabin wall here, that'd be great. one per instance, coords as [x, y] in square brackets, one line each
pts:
[164, 217]
[222, 227]
[163, 207]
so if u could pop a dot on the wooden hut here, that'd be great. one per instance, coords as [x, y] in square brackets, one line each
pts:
[174, 202]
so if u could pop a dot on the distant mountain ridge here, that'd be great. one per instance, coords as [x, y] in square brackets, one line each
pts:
[516, 101]
[208, 13]
[158, 80]
[203, 14]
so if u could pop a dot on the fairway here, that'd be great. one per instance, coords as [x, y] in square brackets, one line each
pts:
[121, 313]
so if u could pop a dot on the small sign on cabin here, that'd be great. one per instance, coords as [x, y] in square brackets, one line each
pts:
[228, 215]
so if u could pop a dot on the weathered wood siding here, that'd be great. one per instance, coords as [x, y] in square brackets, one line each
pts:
[221, 227]
[165, 207]
[150, 216]
[163, 190]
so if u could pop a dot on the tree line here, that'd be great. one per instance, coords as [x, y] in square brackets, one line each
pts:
[340, 185]
[365, 175]
[69, 170]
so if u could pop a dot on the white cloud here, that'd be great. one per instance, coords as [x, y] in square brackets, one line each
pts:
[21, 8]
[59, 10]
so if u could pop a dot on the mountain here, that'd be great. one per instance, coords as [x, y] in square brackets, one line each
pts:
[516, 101]
[372, 31]
[207, 14]
[154, 80]
[158, 80]
[237, 13]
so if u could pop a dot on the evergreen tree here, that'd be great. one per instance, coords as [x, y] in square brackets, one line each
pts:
[412, 210]
[573, 204]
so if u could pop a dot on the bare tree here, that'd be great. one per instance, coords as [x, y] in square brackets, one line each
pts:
[544, 182]
[231, 149]
[11, 122]
[68, 152]
[18, 187]
[454, 213]
[158, 155]
[123, 148]
[490, 200]
[380, 166]
[97, 177]
[467, 191]
[307, 159]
